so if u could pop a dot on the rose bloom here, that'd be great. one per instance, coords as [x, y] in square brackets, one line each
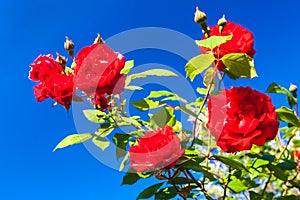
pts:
[98, 70]
[240, 117]
[242, 42]
[156, 149]
[44, 67]
[58, 87]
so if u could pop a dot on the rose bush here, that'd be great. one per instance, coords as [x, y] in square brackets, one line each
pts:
[156, 149]
[241, 117]
[186, 162]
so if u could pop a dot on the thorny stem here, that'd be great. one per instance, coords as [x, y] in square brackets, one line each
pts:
[226, 185]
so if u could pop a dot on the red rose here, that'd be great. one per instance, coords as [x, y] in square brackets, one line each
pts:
[100, 101]
[242, 42]
[58, 87]
[44, 67]
[63, 86]
[98, 69]
[240, 117]
[156, 149]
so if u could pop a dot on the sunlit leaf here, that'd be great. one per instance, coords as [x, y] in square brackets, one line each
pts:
[275, 88]
[213, 41]
[128, 66]
[198, 64]
[239, 65]
[73, 139]
[288, 115]
[101, 142]
[147, 104]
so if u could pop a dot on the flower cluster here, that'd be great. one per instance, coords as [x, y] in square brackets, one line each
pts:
[95, 71]
[54, 82]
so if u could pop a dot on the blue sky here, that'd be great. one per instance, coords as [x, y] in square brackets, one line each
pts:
[30, 130]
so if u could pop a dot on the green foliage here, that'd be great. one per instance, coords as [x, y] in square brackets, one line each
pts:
[238, 185]
[166, 193]
[288, 115]
[130, 178]
[232, 163]
[150, 191]
[168, 96]
[151, 72]
[198, 64]
[95, 116]
[164, 116]
[121, 140]
[213, 41]
[239, 65]
[275, 88]
[73, 139]
[147, 104]
[128, 66]
[133, 87]
[101, 142]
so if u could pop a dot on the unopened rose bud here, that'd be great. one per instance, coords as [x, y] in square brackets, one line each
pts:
[98, 40]
[61, 59]
[222, 23]
[69, 46]
[200, 17]
[293, 88]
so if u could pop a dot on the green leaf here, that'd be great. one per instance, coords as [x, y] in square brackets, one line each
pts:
[130, 178]
[232, 163]
[104, 130]
[289, 197]
[121, 140]
[147, 104]
[274, 88]
[149, 192]
[288, 115]
[164, 116]
[151, 72]
[208, 78]
[133, 87]
[260, 162]
[239, 185]
[73, 139]
[287, 165]
[128, 66]
[94, 115]
[277, 172]
[239, 65]
[166, 193]
[213, 41]
[202, 91]
[101, 142]
[164, 93]
[198, 64]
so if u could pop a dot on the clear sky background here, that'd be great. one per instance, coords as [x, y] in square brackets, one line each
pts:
[30, 130]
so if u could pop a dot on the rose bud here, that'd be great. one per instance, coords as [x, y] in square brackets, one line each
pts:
[69, 46]
[61, 59]
[200, 17]
[98, 39]
[222, 23]
[293, 88]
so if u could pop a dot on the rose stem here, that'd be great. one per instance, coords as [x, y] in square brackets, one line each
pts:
[228, 181]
